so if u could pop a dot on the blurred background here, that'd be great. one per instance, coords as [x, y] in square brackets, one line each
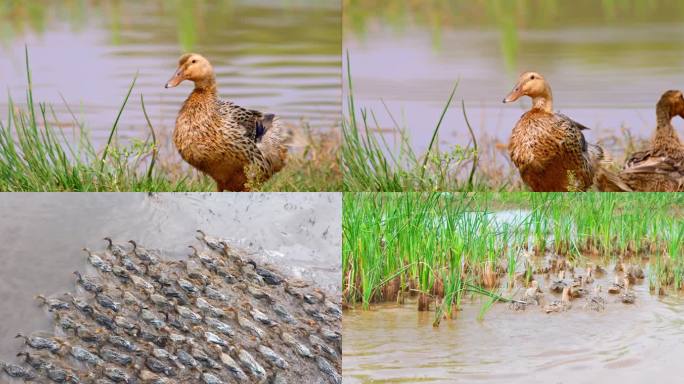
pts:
[608, 62]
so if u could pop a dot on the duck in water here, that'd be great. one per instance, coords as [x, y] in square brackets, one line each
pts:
[560, 305]
[234, 145]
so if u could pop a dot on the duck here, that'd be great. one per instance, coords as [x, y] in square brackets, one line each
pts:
[627, 296]
[548, 148]
[533, 295]
[559, 284]
[235, 146]
[616, 287]
[577, 288]
[596, 301]
[661, 167]
[633, 273]
[560, 305]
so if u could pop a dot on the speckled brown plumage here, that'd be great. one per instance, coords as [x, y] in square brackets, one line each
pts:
[235, 146]
[549, 148]
[661, 167]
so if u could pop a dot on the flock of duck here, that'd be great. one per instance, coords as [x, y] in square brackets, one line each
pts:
[571, 286]
[214, 318]
[552, 154]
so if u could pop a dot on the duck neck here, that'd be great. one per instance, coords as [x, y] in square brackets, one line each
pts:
[665, 136]
[206, 86]
[543, 101]
[204, 95]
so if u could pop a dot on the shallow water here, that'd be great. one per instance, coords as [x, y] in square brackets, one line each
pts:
[606, 70]
[625, 343]
[275, 55]
[43, 234]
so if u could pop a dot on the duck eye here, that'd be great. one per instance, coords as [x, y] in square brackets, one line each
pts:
[194, 61]
[532, 77]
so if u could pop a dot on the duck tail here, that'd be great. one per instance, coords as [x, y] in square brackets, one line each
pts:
[607, 180]
[274, 141]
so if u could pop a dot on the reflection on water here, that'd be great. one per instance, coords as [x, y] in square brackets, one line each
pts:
[625, 344]
[607, 62]
[281, 56]
[42, 237]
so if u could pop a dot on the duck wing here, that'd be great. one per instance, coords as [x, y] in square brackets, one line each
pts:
[575, 137]
[572, 122]
[253, 122]
[652, 163]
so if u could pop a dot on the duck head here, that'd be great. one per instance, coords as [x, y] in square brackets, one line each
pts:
[671, 104]
[193, 67]
[534, 85]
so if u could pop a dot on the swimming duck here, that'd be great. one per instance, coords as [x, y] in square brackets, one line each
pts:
[53, 345]
[115, 249]
[616, 287]
[97, 262]
[661, 167]
[549, 148]
[533, 295]
[627, 296]
[145, 256]
[53, 304]
[233, 367]
[326, 367]
[560, 305]
[212, 242]
[247, 360]
[295, 344]
[89, 283]
[596, 301]
[233, 145]
[17, 371]
[559, 284]
[633, 273]
[578, 289]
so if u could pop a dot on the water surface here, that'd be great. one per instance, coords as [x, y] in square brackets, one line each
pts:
[625, 344]
[43, 233]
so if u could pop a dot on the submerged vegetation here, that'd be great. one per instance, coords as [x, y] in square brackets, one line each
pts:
[37, 155]
[442, 247]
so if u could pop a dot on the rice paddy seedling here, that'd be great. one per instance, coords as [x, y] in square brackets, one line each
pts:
[444, 246]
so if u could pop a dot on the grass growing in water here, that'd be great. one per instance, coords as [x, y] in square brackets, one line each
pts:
[444, 246]
[37, 156]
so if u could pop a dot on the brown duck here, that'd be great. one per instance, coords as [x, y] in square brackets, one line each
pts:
[235, 146]
[661, 167]
[549, 148]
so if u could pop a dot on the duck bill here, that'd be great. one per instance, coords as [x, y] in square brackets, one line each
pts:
[515, 94]
[176, 79]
